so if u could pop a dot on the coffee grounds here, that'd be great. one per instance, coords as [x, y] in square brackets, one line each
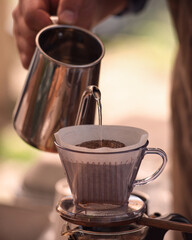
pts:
[93, 144]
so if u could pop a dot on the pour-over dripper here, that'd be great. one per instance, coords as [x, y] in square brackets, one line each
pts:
[104, 178]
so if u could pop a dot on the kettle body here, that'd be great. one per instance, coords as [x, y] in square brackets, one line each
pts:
[66, 60]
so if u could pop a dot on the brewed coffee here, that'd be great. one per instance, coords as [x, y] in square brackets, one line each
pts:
[93, 144]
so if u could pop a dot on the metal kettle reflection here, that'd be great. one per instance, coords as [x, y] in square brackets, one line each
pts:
[67, 60]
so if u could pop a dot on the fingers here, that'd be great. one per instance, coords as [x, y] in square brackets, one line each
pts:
[87, 13]
[36, 13]
[25, 40]
[29, 17]
[77, 12]
[68, 11]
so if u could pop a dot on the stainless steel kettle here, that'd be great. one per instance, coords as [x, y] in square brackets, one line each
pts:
[67, 60]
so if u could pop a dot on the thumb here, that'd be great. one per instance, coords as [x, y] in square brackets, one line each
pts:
[68, 11]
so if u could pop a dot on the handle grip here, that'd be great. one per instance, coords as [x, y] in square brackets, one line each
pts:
[54, 19]
[163, 155]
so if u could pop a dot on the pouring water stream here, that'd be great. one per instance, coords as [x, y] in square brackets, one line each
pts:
[96, 94]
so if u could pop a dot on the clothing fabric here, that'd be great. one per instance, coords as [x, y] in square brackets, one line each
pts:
[133, 6]
[136, 6]
[181, 105]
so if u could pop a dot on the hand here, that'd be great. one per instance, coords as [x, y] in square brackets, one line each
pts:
[31, 16]
[88, 13]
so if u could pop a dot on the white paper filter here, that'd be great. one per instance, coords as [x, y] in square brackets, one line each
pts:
[132, 137]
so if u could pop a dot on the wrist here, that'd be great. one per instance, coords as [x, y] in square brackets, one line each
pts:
[132, 6]
[111, 7]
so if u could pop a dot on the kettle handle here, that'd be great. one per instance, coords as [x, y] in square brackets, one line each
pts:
[54, 19]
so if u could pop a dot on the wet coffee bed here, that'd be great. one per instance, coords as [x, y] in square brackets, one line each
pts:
[93, 144]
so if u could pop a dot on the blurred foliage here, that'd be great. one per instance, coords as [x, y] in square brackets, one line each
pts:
[150, 34]
[15, 149]
[154, 24]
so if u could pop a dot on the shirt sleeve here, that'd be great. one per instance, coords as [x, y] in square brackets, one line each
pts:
[133, 6]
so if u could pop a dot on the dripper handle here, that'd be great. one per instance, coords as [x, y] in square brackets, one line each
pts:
[163, 155]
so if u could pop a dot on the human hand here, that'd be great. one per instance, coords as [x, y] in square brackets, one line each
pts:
[31, 16]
